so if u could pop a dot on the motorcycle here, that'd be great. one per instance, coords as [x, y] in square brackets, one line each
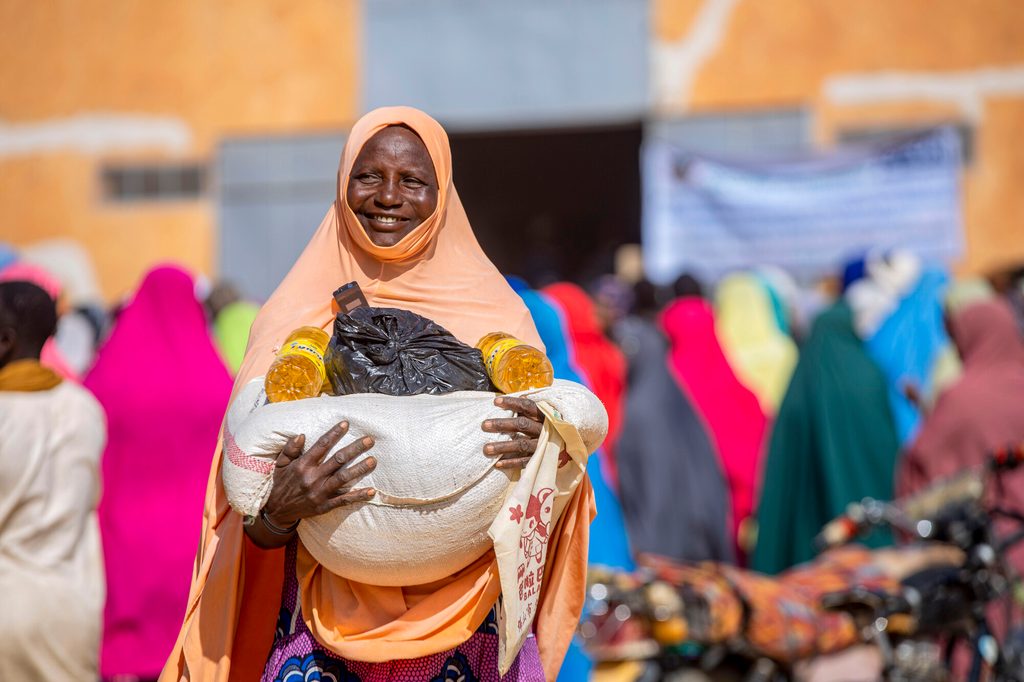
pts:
[945, 606]
[907, 608]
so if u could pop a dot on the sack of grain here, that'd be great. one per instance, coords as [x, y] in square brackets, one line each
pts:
[437, 493]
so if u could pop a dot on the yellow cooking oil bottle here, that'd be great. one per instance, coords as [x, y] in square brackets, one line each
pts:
[298, 370]
[514, 365]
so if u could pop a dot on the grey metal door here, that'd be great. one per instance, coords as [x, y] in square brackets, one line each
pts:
[272, 194]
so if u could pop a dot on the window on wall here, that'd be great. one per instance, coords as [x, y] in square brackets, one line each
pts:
[883, 134]
[130, 183]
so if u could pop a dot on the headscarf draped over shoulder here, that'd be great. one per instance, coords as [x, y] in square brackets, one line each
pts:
[438, 271]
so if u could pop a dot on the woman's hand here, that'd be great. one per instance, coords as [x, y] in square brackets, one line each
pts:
[305, 485]
[524, 429]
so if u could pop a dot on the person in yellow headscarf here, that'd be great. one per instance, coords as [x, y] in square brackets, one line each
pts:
[761, 354]
[397, 228]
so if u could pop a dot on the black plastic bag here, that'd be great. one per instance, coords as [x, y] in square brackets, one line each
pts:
[397, 352]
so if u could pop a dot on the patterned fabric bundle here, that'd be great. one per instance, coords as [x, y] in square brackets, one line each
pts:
[780, 617]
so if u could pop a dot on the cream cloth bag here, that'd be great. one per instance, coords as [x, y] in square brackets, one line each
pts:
[521, 531]
[437, 493]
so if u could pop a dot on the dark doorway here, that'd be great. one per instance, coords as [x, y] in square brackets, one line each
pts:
[551, 204]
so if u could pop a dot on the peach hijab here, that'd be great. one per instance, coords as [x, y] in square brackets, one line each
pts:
[438, 271]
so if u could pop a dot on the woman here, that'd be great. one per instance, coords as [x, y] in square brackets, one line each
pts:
[163, 389]
[761, 353]
[948, 365]
[897, 310]
[834, 442]
[674, 495]
[982, 411]
[397, 228]
[598, 359]
[730, 410]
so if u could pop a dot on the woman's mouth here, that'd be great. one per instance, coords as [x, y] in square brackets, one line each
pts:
[384, 223]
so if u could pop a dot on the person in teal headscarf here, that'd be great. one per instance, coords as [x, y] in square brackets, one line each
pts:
[834, 442]
[608, 543]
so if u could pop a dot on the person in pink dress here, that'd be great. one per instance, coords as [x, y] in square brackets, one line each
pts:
[164, 389]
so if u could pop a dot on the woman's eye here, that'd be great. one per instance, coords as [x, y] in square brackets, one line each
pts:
[413, 182]
[366, 177]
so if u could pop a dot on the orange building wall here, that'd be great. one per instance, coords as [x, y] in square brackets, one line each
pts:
[231, 67]
[784, 53]
[239, 67]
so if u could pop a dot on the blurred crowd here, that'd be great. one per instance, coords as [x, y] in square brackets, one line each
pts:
[743, 414]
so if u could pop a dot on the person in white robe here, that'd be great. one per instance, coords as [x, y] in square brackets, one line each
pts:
[52, 434]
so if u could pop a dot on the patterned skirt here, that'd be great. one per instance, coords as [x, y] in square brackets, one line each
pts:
[297, 657]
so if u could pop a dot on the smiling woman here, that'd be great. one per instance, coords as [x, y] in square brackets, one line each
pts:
[393, 187]
[398, 228]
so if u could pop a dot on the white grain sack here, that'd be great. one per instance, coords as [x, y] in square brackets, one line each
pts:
[437, 493]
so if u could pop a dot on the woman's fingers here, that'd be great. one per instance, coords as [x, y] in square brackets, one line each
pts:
[291, 451]
[351, 497]
[347, 454]
[512, 463]
[523, 447]
[520, 424]
[523, 406]
[515, 453]
[327, 441]
[342, 479]
[305, 485]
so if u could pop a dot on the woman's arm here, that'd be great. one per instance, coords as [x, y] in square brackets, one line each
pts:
[305, 485]
[262, 536]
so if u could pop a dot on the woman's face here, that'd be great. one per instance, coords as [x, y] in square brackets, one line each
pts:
[392, 187]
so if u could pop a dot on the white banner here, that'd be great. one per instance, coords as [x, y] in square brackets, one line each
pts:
[708, 217]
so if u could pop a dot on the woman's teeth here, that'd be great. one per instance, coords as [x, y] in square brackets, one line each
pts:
[387, 220]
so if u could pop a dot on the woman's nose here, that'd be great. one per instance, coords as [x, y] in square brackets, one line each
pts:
[388, 196]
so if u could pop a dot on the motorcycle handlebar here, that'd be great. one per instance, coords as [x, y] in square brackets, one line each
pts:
[838, 531]
[1007, 458]
[861, 515]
